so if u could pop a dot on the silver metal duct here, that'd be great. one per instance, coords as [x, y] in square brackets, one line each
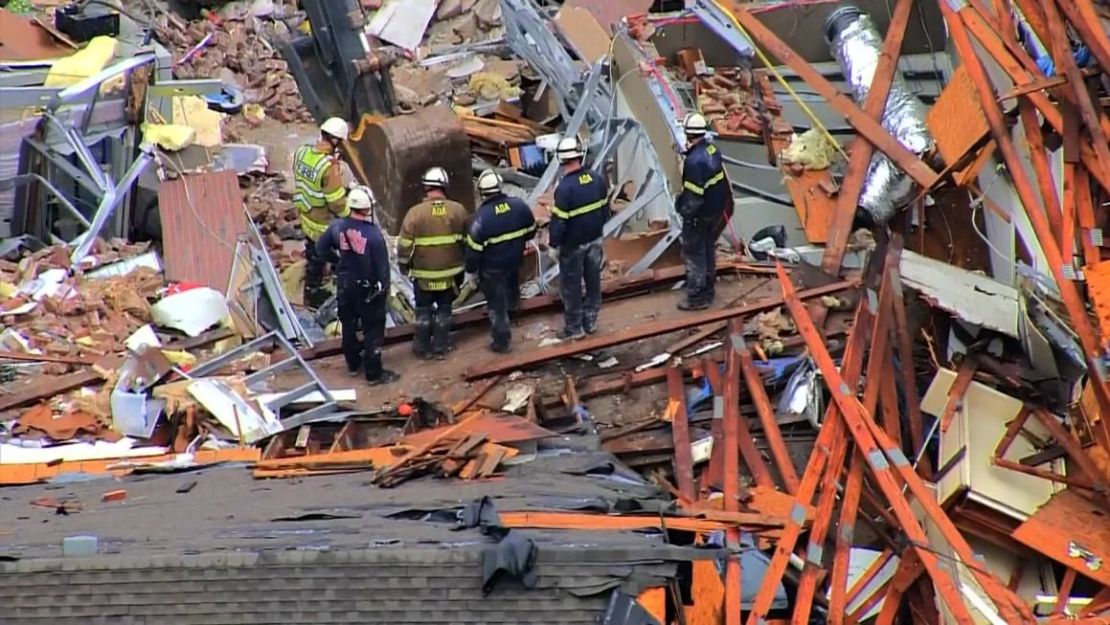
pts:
[857, 45]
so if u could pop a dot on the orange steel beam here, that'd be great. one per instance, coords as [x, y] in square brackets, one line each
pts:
[826, 503]
[831, 430]
[905, 360]
[1068, 291]
[886, 461]
[866, 125]
[861, 151]
[845, 533]
[1085, 208]
[1020, 68]
[964, 377]
[1061, 52]
[713, 474]
[909, 569]
[604, 522]
[1099, 603]
[731, 487]
[770, 424]
[680, 432]
[1067, 234]
[1078, 455]
[1039, 156]
[1064, 593]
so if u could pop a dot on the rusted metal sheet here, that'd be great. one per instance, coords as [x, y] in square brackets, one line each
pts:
[957, 122]
[1098, 287]
[539, 356]
[202, 217]
[1073, 531]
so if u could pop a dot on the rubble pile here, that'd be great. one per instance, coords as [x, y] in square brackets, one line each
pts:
[235, 48]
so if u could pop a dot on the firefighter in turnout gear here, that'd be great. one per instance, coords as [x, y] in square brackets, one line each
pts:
[705, 198]
[577, 219]
[362, 281]
[431, 249]
[318, 195]
[501, 229]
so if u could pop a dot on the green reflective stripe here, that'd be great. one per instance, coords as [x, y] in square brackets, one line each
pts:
[509, 236]
[432, 274]
[693, 188]
[581, 210]
[715, 179]
[335, 196]
[432, 241]
[474, 245]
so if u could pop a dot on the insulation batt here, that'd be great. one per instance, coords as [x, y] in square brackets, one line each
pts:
[857, 44]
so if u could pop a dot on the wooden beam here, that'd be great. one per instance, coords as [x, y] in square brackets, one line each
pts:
[680, 433]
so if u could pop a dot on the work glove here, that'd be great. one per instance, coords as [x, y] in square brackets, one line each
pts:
[470, 280]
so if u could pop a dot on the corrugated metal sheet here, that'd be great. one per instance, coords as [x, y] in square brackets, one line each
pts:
[202, 215]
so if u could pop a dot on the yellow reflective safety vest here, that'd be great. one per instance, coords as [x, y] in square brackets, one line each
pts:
[431, 246]
[318, 190]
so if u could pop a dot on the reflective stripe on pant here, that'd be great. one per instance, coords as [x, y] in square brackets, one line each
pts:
[433, 320]
[581, 266]
[699, 255]
[315, 266]
[502, 290]
[360, 307]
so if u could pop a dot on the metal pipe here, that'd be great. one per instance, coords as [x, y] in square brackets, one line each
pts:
[857, 45]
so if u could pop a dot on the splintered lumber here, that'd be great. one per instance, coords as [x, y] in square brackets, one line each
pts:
[625, 522]
[536, 357]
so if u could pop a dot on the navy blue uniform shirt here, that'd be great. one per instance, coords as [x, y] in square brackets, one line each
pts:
[501, 228]
[705, 190]
[581, 209]
[362, 251]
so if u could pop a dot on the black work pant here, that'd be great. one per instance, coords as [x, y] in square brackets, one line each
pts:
[433, 320]
[362, 306]
[580, 266]
[315, 265]
[502, 291]
[699, 255]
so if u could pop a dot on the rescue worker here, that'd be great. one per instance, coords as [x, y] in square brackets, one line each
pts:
[702, 204]
[318, 195]
[498, 234]
[579, 213]
[362, 281]
[430, 248]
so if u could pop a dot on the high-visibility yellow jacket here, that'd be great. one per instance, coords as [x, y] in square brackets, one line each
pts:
[318, 189]
[431, 245]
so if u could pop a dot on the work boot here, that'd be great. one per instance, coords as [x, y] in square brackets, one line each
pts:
[572, 334]
[688, 304]
[385, 377]
[422, 334]
[590, 326]
[441, 333]
[500, 348]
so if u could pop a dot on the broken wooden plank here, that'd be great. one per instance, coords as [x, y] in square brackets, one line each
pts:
[535, 357]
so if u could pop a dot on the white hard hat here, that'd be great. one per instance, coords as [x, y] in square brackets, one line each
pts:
[360, 199]
[570, 148]
[695, 125]
[435, 177]
[489, 183]
[335, 127]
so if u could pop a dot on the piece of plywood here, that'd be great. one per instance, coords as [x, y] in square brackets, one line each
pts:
[584, 34]
[22, 40]
[1073, 531]
[978, 426]
[956, 120]
[974, 298]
